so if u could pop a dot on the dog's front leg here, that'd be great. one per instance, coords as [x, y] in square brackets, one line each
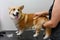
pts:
[20, 32]
[17, 31]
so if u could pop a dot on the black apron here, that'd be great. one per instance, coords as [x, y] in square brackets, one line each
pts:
[55, 34]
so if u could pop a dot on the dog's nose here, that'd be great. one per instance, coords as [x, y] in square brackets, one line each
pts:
[17, 13]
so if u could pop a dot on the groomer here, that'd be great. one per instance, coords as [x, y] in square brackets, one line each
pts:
[54, 19]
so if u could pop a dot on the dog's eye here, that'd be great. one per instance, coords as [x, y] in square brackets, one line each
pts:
[14, 9]
[18, 9]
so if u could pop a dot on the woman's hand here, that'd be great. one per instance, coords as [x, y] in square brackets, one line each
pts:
[37, 14]
[41, 13]
[47, 24]
[50, 24]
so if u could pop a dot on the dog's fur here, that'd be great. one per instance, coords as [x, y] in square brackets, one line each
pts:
[25, 21]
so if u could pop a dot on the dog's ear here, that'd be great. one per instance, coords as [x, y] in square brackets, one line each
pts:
[9, 10]
[21, 7]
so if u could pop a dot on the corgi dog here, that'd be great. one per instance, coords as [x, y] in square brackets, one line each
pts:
[25, 21]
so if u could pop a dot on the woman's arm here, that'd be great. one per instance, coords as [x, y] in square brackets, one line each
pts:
[55, 15]
[41, 13]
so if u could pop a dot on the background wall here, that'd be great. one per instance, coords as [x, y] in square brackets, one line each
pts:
[30, 6]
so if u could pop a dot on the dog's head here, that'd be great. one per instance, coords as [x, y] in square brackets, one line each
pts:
[15, 12]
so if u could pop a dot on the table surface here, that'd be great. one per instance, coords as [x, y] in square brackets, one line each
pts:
[26, 35]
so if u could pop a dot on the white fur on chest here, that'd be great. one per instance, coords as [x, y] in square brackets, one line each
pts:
[15, 22]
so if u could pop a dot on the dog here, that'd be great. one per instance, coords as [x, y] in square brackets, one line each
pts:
[25, 21]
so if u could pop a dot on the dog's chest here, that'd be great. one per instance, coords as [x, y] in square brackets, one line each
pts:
[15, 22]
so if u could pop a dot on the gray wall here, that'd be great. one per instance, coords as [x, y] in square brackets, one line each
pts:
[30, 6]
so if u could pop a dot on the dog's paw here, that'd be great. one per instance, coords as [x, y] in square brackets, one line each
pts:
[19, 33]
[45, 37]
[42, 29]
[35, 35]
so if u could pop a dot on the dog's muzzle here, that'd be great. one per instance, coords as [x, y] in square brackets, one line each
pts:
[16, 14]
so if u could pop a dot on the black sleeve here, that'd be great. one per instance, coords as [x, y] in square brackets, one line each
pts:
[50, 10]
